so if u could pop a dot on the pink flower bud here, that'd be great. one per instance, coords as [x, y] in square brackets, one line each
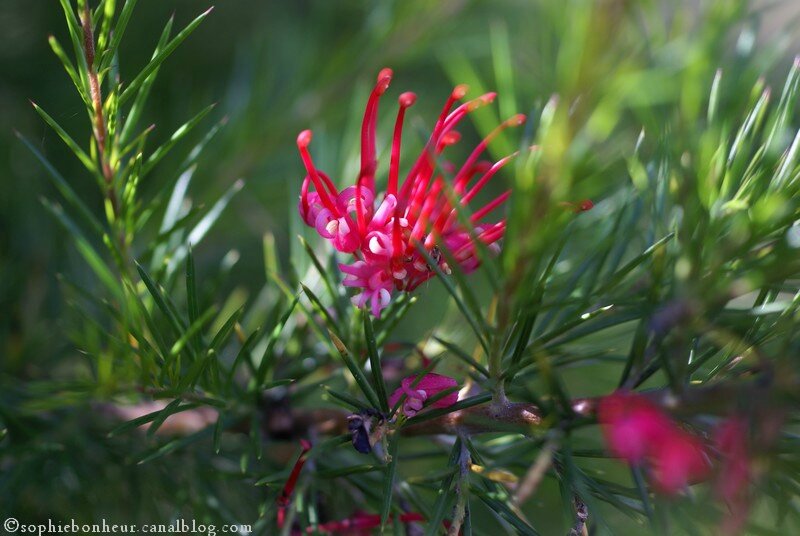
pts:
[426, 388]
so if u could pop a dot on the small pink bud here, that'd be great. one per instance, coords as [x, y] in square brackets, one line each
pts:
[426, 388]
[407, 99]
[304, 139]
[451, 138]
[459, 91]
[483, 100]
[384, 79]
[516, 121]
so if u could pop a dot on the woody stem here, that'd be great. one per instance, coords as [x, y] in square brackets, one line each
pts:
[99, 127]
[524, 417]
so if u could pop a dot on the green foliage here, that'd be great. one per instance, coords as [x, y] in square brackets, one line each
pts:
[683, 278]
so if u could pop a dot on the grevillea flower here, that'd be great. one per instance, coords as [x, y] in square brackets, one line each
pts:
[416, 395]
[677, 460]
[631, 424]
[385, 231]
[640, 432]
[284, 499]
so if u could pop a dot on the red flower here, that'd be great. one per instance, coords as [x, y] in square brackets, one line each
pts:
[428, 386]
[285, 497]
[385, 236]
[631, 424]
[638, 431]
[677, 460]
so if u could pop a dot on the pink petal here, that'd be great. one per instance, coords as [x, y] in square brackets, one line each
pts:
[346, 201]
[432, 383]
[384, 212]
[395, 397]
[678, 461]
[731, 441]
[631, 424]
[324, 217]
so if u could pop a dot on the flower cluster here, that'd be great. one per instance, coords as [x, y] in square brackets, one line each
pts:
[638, 431]
[388, 236]
[416, 395]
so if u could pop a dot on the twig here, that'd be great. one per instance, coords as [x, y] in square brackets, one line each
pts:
[536, 472]
[99, 129]
[481, 419]
[284, 422]
[581, 515]
[461, 504]
[524, 418]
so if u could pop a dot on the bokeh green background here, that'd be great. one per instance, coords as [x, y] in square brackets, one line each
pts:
[273, 67]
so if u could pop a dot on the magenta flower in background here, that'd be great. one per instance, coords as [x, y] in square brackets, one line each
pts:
[631, 424]
[731, 441]
[383, 231]
[677, 460]
[430, 385]
[641, 433]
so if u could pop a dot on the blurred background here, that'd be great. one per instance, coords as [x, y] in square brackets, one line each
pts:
[275, 68]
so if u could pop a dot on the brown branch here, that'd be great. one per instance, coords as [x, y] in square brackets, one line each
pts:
[480, 419]
[765, 388]
[99, 128]
[281, 421]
